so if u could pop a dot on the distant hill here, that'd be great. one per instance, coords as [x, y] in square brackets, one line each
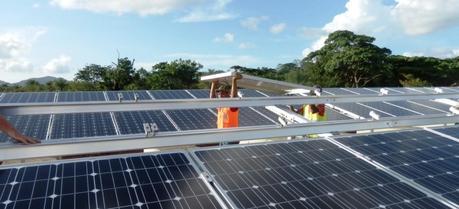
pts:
[3, 82]
[41, 80]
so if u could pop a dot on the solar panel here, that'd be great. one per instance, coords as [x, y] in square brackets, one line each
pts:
[128, 95]
[192, 119]
[416, 107]
[250, 93]
[27, 97]
[171, 94]
[359, 109]
[200, 93]
[30, 125]
[452, 131]
[363, 91]
[80, 96]
[405, 90]
[132, 122]
[147, 181]
[436, 105]
[268, 113]
[426, 158]
[307, 174]
[248, 117]
[389, 108]
[334, 115]
[82, 125]
[337, 91]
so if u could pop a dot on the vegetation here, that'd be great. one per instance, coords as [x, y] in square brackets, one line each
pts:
[346, 60]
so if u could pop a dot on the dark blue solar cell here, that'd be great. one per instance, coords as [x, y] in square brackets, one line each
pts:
[80, 96]
[428, 159]
[308, 174]
[452, 131]
[337, 91]
[250, 93]
[390, 109]
[432, 104]
[170, 94]
[128, 95]
[362, 91]
[82, 125]
[84, 184]
[200, 93]
[416, 107]
[359, 110]
[31, 125]
[193, 119]
[132, 122]
[27, 97]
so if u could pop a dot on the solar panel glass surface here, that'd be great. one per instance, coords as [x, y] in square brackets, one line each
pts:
[393, 110]
[416, 107]
[192, 119]
[436, 105]
[359, 109]
[312, 174]
[80, 96]
[128, 95]
[426, 158]
[82, 125]
[132, 122]
[452, 131]
[35, 126]
[27, 97]
[200, 93]
[148, 181]
[170, 94]
[363, 91]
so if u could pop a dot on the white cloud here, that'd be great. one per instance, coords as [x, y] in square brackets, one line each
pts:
[312, 33]
[278, 28]
[252, 23]
[214, 12]
[59, 65]
[14, 45]
[402, 18]
[315, 46]
[246, 45]
[226, 38]
[141, 7]
[425, 16]
[218, 61]
[435, 52]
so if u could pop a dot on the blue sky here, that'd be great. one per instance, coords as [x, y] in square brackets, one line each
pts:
[57, 37]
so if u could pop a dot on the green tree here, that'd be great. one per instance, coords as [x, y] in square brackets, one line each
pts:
[350, 60]
[93, 74]
[178, 74]
[119, 76]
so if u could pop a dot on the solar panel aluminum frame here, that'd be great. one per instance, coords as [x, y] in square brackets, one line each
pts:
[203, 177]
[139, 141]
[170, 104]
[400, 177]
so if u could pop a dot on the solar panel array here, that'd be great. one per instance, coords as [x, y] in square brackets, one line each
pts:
[430, 160]
[306, 174]
[97, 124]
[144, 182]
[392, 108]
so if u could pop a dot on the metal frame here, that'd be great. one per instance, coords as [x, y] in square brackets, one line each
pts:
[165, 139]
[187, 155]
[114, 106]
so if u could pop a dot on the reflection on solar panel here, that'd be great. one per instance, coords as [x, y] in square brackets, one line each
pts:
[27, 97]
[362, 91]
[389, 108]
[200, 93]
[416, 107]
[359, 109]
[80, 96]
[452, 131]
[193, 119]
[82, 125]
[433, 104]
[31, 125]
[171, 94]
[310, 174]
[128, 95]
[132, 122]
[161, 181]
[428, 159]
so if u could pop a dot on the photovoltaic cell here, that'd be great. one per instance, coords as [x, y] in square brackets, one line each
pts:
[334, 115]
[452, 131]
[336, 91]
[436, 105]
[27, 97]
[128, 95]
[82, 125]
[426, 158]
[250, 93]
[171, 94]
[406, 90]
[132, 122]
[200, 93]
[80, 96]
[141, 182]
[307, 174]
[359, 109]
[35, 126]
[363, 91]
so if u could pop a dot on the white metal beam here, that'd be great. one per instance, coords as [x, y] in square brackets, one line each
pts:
[113, 106]
[139, 141]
